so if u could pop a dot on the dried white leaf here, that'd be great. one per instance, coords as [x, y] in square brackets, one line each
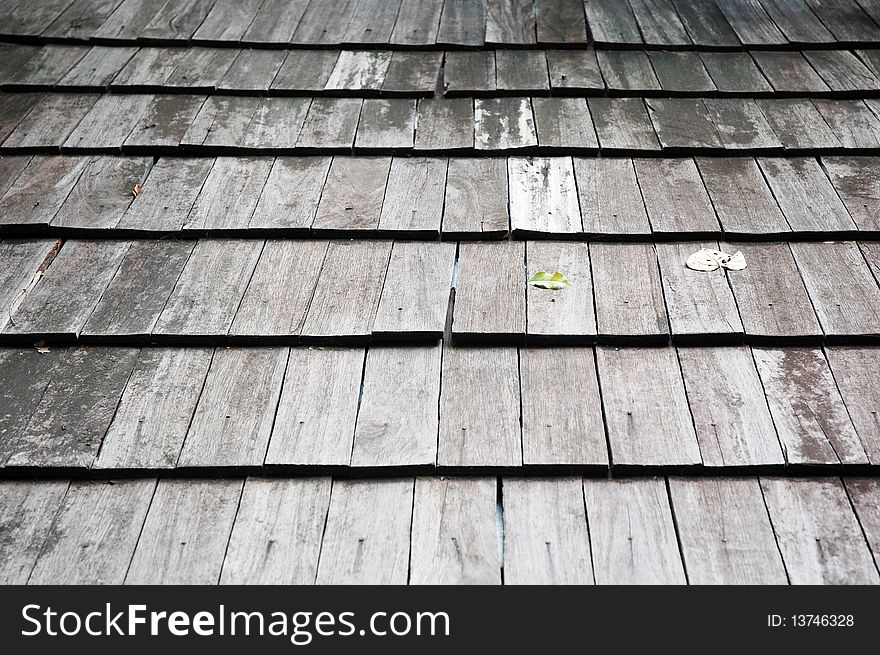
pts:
[736, 262]
[704, 260]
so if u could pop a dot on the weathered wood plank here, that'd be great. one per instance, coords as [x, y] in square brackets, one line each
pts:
[291, 194]
[168, 194]
[359, 70]
[631, 306]
[805, 195]
[227, 21]
[137, 293]
[127, 21]
[398, 421]
[490, 296]
[864, 494]
[469, 73]
[504, 124]
[350, 285]
[574, 70]
[372, 21]
[681, 72]
[445, 124]
[186, 532]
[155, 410]
[280, 290]
[560, 433]
[71, 287]
[210, 288]
[797, 124]
[107, 124]
[797, 22]
[148, 69]
[771, 295]
[318, 407]
[177, 21]
[476, 198]
[323, 23]
[845, 20]
[22, 263]
[725, 532]
[353, 194]
[521, 71]
[623, 124]
[845, 295]
[276, 22]
[683, 124]
[647, 425]
[41, 188]
[94, 534]
[741, 125]
[740, 196]
[413, 201]
[417, 23]
[751, 23]
[564, 123]
[658, 22]
[276, 124]
[842, 70]
[857, 184]
[790, 72]
[413, 72]
[67, 427]
[229, 196]
[733, 72]
[675, 197]
[221, 123]
[569, 314]
[233, 419]
[386, 124]
[276, 538]
[851, 121]
[480, 408]
[627, 70]
[462, 22]
[560, 21]
[416, 293]
[632, 533]
[305, 70]
[700, 304]
[97, 68]
[454, 534]
[705, 24]
[730, 413]
[80, 19]
[27, 510]
[610, 199]
[103, 192]
[367, 536]
[510, 21]
[818, 534]
[810, 416]
[543, 196]
[855, 373]
[545, 532]
[612, 22]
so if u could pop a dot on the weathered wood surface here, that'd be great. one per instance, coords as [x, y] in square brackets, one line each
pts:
[490, 296]
[367, 535]
[610, 199]
[856, 371]
[413, 201]
[543, 195]
[276, 538]
[454, 532]
[675, 197]
[554, 315]
[27, 511]
[475, 202]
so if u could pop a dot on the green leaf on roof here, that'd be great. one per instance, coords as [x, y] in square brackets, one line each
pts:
[552, 281]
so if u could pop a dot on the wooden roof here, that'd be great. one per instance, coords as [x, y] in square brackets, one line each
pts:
[263, 281]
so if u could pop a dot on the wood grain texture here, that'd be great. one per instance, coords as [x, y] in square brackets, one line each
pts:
[740, 196]
[683, 124]
[462, 23]
[71, 287]
[490, 297]
[510, 21]
[353, 194]
[561, 433]
[94, 534]
[864, 493]
[818, 534]
[276, 538]
[155, 410]
[856, 182]
[700, 304]
[647, 424]
[416, 293]
[855, 373]
[280, 290]
[810, 416]
[741, 125]
[318, 407]
[186, 532]
[330, 124]
[50, 121]
[468, 72]
[386, 124]
[631, 306]
[610, 199]
[574, 70]
[27, 510]
[627, 70]
[167, 195]
[730, 413]
[291, 194]
[612, 22]
[545, 532]
[725, 532]
[107, 124]
[543, 195]
[504, 124]
[632, 533]
[236, 411]
[210, 288]
[129, 305]
[67, 426]
[733, 72]
[568, 314]
[348, 289]
[797, 124]
[454, 533]
[623, 124]
[521, 71]
[445, 125]
[21, 261]
[39, 190]
[675, 197]
[476, 198]
[770, 294]
[846, 296]
[682, 72]
[479, 408]
[413, 201]
[367, 535]
[230, 193]
[398, 419]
